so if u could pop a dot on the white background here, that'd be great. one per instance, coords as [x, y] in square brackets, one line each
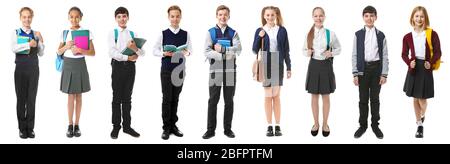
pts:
[148, 18]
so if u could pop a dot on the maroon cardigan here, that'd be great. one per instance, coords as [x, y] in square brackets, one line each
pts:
[408, 44]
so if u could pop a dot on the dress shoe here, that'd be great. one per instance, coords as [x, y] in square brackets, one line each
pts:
[269, 132]
[419, 133]
[131, 132]
[360, 132]
[229, 133]
[377, 132]
[69, 132]
[278, 131]
[314, 130]
[23, 134]
[30, 134]
[175, 131]
[76, 131]
[326, 133]
[115, 133]
[208, 135]
[165, 135]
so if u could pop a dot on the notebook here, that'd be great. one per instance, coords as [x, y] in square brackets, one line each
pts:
[139, 43]
[23, 40]
[81, 39]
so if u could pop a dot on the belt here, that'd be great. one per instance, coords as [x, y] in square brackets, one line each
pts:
[114, 61]
[372, 62]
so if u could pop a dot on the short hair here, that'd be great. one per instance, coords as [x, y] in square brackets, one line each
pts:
[26, 9]
[369, 9]
[425, 13]
[121, 10]
[76, 9]
[222, 7]
[174, 7]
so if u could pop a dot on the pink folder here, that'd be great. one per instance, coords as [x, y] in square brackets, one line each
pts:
[82, 42]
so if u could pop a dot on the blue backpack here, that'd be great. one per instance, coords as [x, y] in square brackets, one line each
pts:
[59, 62]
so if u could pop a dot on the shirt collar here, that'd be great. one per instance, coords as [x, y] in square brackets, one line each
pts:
[415, 34]
[369, 29]
[174, 30]
[120, 29]
[26, 30]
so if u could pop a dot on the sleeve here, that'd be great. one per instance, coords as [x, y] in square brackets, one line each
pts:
[15, 48]
[305, 47]
[287, 58]
[385, 68]
[355, 57]
[256, 42]
[114, 52]
[236, 48]
[157, 47]
[436, 47]
[405, 51]
[210, 53]
[336, 45]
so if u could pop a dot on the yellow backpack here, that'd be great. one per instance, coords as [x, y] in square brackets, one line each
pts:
[428, 33]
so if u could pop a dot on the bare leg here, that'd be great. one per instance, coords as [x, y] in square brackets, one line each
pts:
[326, 111]
[315, 110]
[70, 106]
[79, 103]
[268, 104]
[277, 105]
[417, 109]
[423, 106]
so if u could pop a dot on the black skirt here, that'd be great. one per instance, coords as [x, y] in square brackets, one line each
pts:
[419, 82]
[320, 78]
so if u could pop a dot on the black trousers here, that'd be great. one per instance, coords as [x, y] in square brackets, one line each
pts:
[26, 78]
[214, 97]
[369, 88]
[171, 94]
[123, 75]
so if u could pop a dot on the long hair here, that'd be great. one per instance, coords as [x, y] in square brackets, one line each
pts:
[310, 37]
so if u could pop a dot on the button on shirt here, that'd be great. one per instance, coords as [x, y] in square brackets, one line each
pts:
[419, 44]
[272, 32]
[371, 45]
[123, 38]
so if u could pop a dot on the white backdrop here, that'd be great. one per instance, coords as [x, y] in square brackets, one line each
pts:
[148, 18]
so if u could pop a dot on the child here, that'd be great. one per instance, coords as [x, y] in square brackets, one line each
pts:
[123, 73]
[26, 75]
[172, 67]
[276, 48]
[222, 59]
[370, 69]
[421, 52]
[75, 76]
[321, 45]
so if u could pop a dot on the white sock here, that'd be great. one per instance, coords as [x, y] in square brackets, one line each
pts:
[419, 123]
[277, 124]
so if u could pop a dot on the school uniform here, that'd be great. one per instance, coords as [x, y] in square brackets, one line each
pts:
[26, 77]
[74, 76]
[369, 62]
[320, 78]
[222, 73]
[171, 89]
[123, 76]
[276, 44]
[419, 82]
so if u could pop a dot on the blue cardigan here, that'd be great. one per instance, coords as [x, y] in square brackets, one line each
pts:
[283, 46]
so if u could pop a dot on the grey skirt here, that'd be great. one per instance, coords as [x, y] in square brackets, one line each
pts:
[75, 77]
[320, 78]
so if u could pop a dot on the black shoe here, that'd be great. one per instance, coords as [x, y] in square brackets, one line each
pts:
[360, 132]
[165, 135]
[326, 133]
[314, 132]
[269, 132]
[208, 134]
[278, 131]
[229, 133]
[23, 134]
[76, 131]
[131, 132]
[30, 134]
[377, 132]
[419, 133]
[69, 132]
[175, 131]
[115, 133]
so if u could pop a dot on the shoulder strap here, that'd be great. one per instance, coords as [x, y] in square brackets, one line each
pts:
[328, 38]
[65, 33]
[428, 33]
[116, 35]
[17, 31]
[212, 33]
[132, 34]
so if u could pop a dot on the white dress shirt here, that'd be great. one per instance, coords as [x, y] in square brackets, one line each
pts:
[320, 44]
[371, 45]
[419, 44]
[158, 47]
[68, 52]
[22, 47]
[272, 32]
[123, 38]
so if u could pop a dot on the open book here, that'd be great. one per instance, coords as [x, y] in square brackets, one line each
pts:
[23, 40]
[139, 43]
[173, 48]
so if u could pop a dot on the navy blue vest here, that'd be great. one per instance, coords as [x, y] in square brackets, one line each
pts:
[169, 38]
[32, 58]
